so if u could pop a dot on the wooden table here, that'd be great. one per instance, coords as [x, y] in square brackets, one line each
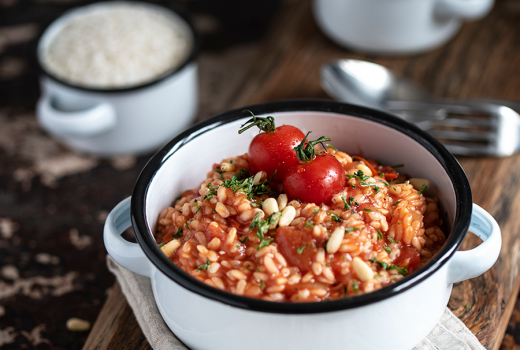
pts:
[482, 61]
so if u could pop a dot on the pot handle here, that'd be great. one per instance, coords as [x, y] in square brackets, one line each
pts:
[466, 9]
[472, 263]
[88, 122]
[127, 254]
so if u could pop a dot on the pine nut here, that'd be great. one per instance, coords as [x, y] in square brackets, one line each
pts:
[169, 248]
[287, 217]
[221, 194]
[282, 201]
[418, 183]
[227, 167]
[270, 206]
[213, 267]
[363, 271]
[77, 325]
[202, 249]
[261, 175]
[317, 268]
[335, 240]
[214, 244]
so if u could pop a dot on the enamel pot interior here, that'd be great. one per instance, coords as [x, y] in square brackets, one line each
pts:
[184, 162]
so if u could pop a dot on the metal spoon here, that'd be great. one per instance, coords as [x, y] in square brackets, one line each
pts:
[483, 127]
[372, 85]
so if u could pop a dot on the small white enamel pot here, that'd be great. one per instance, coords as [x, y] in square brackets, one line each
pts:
[114, 121]
[396, 317]
[395, 26]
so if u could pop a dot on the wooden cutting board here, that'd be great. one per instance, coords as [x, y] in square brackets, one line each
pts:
[482, 61]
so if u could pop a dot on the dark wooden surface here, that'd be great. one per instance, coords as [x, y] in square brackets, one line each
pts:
[53, 201]
[482, 61]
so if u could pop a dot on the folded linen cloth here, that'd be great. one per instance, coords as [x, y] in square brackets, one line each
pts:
[449, 333]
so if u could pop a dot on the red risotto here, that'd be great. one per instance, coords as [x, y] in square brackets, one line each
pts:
[239, 234]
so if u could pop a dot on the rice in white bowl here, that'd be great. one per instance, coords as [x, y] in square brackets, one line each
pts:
[117, 45]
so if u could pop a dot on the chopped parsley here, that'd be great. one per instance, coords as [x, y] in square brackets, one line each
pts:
[334, 216]
[363, 178]
[262, 227]
[388, 250]
[179, 211]
[211, 192]
[384, 183]
[379, 234]
[396, 203]
[262, 285]
[347, 230]
[246, 267]
[308, 224]
[178, 234]
[221, 172]
[367, 210]
[186, 225]
[300, 250]
[397, 166]
[330, 146]
[347, 205]
[423, 188]
[392, 240]
[204, 266]
[385, 266]
[243, 240]
[161, 244]
[316, 210]
[231, 161]
[355, 286]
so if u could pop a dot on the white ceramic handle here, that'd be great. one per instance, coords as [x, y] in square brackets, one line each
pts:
[472, 263]
[467, 9]
[127, 254]
[89, 122]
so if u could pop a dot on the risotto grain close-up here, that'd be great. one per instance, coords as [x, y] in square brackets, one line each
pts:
[247, 233]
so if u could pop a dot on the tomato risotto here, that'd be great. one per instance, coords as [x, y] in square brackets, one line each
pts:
[240, 232]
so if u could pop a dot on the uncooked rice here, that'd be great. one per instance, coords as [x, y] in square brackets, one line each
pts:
[116, 46]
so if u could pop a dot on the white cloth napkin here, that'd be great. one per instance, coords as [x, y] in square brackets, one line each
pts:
[449, 333]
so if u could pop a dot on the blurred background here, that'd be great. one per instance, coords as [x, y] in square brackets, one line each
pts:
[53, 201]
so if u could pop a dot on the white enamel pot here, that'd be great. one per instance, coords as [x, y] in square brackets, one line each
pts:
[395, 26]
[127, 120]
[395, 317]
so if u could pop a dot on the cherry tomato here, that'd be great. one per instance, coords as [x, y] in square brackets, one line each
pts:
[274, 151]
[316, 181]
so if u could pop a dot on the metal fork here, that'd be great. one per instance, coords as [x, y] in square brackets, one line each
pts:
[467, 128]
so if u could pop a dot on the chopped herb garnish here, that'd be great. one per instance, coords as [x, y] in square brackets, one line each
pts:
[211, 192]
[423, 188]
[246, 267]
[344, 290]
[178, 197]
[351, 229]
[203, 266]
[221, 172]
[466, 306]
[347, 205]
[309, 224]
[367, 210]
[381, 174]
[391, 240]
[379, 234]
[231, 161]
[194, 204]
[161, 244]
[186, 225]
[198, 208]
[243, 240]
[384, 183]
[396, 203]
[355, 286]
[316, 210]
[179, 211]
[397, 166]
[300, 250]
[262, 226]
[388, 250]
[262, 284]
[385, 266]
[178, 234]
[334, 216]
